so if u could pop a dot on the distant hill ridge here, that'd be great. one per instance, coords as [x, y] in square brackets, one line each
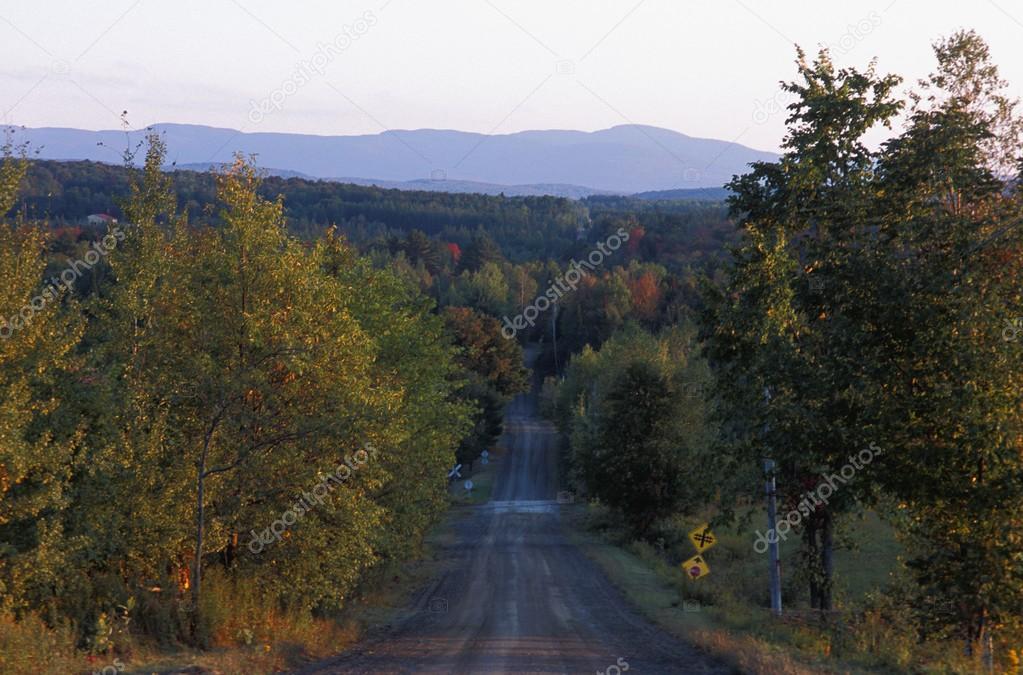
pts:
[624, 159]
[425, 184]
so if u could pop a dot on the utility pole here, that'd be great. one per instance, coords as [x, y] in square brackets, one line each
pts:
[554, 334]
[772, 520]
[772, 544]
[989, 649]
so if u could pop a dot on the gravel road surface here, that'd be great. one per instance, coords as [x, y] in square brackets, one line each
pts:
[518, 597]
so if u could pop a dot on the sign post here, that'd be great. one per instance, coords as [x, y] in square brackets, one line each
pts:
[696, 567]
[702, 539]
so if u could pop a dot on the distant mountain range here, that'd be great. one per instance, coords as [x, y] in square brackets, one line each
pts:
[426, 184]
[621, 160]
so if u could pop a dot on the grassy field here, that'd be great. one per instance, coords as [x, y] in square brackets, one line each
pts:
[725, 612]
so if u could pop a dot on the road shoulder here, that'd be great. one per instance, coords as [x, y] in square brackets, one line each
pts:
[657, 599]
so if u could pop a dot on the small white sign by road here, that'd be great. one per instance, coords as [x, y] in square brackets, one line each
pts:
[456, 472]
[468, 485]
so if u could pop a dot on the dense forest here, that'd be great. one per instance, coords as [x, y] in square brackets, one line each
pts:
[525, 228]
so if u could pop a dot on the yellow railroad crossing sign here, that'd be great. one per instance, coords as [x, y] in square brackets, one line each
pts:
[702, 538]
[696, 567]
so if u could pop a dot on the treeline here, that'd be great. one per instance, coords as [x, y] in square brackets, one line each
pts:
[194, 417]
[525, 227]
[679, 235]
[675, 234]
[866, 338]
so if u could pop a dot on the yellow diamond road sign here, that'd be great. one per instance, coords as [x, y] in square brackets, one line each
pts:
[702, 538]
[695, 567]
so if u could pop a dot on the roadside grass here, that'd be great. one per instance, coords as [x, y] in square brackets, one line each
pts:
[29, 646]
[725, 613]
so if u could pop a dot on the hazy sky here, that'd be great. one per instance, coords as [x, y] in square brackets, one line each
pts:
[493, 66]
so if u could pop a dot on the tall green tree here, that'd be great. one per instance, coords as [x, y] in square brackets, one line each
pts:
[131, 499]
[256, 378]
[635, 415]
[420, 248]
[945, 273]
[774, 332]
[414, 355]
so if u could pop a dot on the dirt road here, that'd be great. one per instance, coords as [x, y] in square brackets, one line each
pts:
[519, 597]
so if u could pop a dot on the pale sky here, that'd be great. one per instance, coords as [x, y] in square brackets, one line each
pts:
[706, 69]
